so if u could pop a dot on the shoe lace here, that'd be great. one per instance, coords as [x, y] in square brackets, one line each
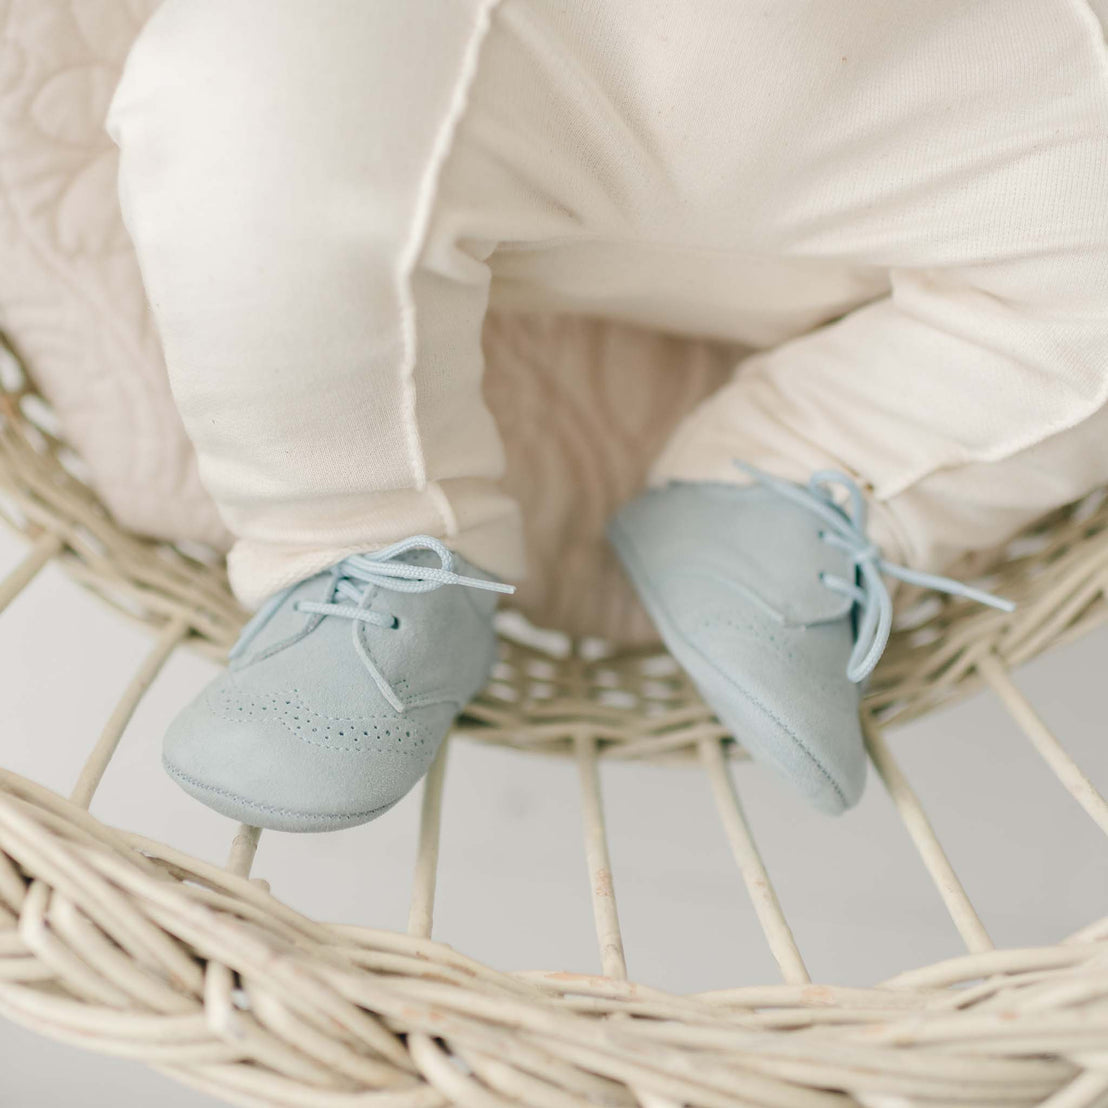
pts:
[846, 531]
[352, 583]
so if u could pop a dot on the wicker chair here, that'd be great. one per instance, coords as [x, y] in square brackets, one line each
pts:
[121, 944]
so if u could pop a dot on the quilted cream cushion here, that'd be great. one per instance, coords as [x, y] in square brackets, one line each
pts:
[604, 396]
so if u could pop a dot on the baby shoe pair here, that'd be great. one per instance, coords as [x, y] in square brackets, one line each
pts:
[342, 688]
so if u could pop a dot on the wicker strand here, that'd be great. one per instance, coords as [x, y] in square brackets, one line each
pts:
[421, 912]
[778, 934]
[45, 548]
[243, 848]
[97, 762]
[931, 853]
[1044, 741]
[599, 863]
[1087, 1090]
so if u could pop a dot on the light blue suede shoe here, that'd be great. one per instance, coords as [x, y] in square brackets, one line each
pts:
[340, 691]
[771, 597]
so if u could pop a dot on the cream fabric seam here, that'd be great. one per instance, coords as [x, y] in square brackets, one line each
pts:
[442, 502]
[1097, 25]
[413, 248]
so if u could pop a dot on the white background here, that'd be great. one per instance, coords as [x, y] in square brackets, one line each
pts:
[513, 888]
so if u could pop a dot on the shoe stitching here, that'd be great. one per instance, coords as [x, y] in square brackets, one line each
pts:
[770, 714]
[179, 775]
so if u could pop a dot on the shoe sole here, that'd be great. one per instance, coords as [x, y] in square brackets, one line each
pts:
[241, 810]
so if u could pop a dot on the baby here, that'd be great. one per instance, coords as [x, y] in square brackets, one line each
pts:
[902, 206]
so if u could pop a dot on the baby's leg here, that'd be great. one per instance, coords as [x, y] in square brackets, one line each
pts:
[278, 177]
[973, 398]
[321, 318]
[967, 156]
[793, 426]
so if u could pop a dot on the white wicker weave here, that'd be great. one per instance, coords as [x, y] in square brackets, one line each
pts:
[128, 946]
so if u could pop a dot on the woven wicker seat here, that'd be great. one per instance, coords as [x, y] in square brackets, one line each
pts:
[121, 944]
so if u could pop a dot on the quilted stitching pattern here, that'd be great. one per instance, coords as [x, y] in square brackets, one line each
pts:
[70, 291]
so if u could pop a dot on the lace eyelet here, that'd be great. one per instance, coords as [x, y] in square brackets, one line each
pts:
[395, 623]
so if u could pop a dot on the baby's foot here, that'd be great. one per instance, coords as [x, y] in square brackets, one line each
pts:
[340, 691]
[771, 597]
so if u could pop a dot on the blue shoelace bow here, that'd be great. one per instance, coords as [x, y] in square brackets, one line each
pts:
[846, 531]
[352, 582]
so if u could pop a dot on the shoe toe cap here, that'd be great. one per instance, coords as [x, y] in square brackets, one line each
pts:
[780, 689]
[823, 757]
[786, 698]
[272, 762]
[826, 763]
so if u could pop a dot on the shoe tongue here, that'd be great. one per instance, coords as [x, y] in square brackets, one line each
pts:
[418, 557]
[741, 539]
[285, 621]
[777, 553]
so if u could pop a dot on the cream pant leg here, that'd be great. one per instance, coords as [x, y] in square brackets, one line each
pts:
[973, 396]
[279, 161]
